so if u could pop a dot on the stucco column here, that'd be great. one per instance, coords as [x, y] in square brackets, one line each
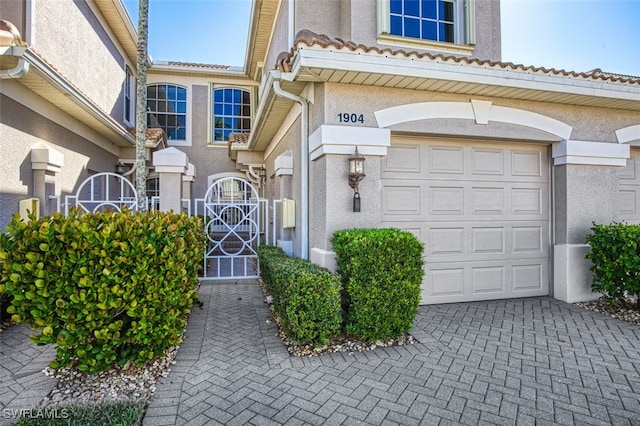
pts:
[331, 206]
[171, 164]
[187, 181]
[585, 191]
[44, 161]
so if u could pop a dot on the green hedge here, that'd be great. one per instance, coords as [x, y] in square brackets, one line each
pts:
[104, 287]
[306, 297]
[615, 258]
[381, 274]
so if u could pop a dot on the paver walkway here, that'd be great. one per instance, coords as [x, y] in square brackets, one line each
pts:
[525, 361]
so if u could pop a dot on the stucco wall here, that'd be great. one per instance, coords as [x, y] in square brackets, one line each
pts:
[70, 37]
[583, 195]
[21, 130]
[589, 123]
[279, 39]
[356, 20]
[279, 187]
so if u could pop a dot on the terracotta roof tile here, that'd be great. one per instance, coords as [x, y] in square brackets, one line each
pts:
[199, 65]
[154, 134]
[309, 38]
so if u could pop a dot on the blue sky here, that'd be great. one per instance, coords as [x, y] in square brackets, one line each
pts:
[575, 35]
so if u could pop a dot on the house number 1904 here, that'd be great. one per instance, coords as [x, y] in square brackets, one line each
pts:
[346, 117]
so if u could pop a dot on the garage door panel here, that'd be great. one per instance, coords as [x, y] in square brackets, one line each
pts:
[482, 210]
[447, 283]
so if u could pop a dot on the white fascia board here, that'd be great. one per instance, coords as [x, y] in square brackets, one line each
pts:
[56, 80]
[408, 67]
[590, 153]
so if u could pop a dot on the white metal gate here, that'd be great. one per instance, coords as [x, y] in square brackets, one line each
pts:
[232, 218]
[103, 192]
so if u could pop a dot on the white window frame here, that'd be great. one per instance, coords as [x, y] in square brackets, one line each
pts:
[213, 87]
[464, 27]
[129, 92]
[188, 113]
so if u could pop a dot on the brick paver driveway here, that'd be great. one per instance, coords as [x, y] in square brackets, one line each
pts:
[524, 361]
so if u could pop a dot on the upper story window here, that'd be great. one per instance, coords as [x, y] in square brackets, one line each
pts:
[167, 108]
[231, 112]
[129, 96]
[431, 24]
[425, 19]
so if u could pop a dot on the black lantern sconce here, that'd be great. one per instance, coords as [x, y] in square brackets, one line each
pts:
[120, 168]
[356, 174]
[262, 174]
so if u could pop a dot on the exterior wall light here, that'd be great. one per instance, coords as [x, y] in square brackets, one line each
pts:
[356, 174]
[120, 168]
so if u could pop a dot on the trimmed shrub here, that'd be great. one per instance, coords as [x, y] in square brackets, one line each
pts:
[104, 287]
[306, 297]
[381, 274]
[615, 258]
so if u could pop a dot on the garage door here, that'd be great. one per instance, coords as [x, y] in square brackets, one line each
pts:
[482, 210]
[629, 193]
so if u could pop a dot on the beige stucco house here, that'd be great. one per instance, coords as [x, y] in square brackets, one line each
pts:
[500, 169]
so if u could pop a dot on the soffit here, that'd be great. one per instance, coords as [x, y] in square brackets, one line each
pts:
[116, 16]
[43, 80]
[263, 16]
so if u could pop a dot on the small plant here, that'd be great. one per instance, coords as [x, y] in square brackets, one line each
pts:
[615, 258]
[306, 297]
[381, 273]
[106, 287]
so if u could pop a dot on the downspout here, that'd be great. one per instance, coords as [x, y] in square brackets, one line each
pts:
[304, 161]
[18, 71]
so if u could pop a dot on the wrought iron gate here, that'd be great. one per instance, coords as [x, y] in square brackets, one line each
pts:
[232, 218]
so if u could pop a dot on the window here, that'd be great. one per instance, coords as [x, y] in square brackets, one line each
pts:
[129, 96]
[428, 23]
[167, 109]
[231, 113]
[425, 19]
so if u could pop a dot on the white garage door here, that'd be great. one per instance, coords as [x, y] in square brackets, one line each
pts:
[482, 210]
[629, 192]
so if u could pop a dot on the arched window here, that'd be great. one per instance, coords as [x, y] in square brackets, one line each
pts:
[167, 109]
[231, 113]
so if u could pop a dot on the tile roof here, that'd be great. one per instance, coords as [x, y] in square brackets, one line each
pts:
[309, 38]
[199, 65]
[154, 134]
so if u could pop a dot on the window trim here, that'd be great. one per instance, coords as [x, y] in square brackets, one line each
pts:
[210, 125]
[130, 100]
[467, 32]
[187, 134]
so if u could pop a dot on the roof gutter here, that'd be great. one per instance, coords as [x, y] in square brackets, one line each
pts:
[304, 160]
[48, 73]
[19, 70]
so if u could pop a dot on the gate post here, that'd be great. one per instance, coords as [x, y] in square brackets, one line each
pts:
[171, 164]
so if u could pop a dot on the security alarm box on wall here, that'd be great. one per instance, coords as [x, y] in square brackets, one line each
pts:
[288, 213]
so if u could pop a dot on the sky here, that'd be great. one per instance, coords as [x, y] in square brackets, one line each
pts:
[575, 35]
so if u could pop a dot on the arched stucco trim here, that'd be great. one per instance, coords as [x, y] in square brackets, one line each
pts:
[212, 178]
[628, 134]
[480, 111]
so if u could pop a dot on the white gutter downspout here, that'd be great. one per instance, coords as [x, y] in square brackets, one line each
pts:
[18, 71]
[304, 165]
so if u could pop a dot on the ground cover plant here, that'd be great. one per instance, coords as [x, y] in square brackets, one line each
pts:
[117, 414]
[105, 288]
